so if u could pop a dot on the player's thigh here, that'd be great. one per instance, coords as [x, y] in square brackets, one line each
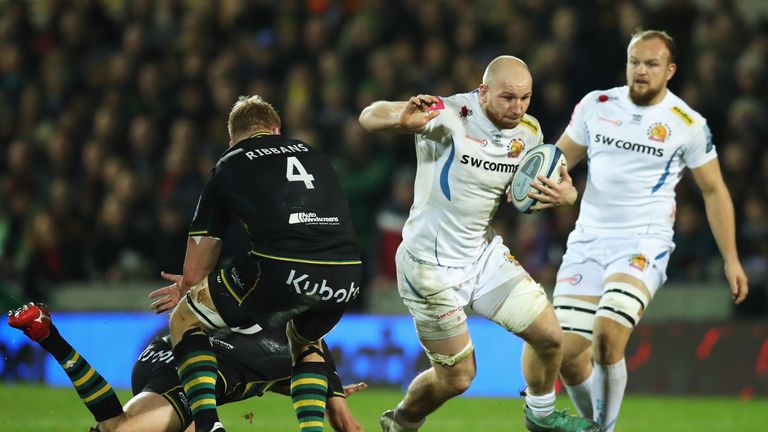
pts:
[431, 294]
[322, 298]
[185, 315]
[642, 258]
[150, 412]
[505, 292]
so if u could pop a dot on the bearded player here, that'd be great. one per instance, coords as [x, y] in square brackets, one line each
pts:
[638, 139]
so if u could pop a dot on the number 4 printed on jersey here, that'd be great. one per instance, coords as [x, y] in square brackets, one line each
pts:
[300, 173]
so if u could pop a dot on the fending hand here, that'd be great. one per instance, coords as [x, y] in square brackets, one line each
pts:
[168, 296]
[354, 388]
[417, 113]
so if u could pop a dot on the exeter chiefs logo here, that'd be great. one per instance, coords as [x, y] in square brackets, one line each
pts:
[659, 132]
[515, 147]
[511, 258]
[638, 261]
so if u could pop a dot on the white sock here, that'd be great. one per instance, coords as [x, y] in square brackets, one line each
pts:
[541, 406]
[581, 396]
[609, 382]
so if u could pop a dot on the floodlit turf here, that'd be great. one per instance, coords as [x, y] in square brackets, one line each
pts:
[38, 408]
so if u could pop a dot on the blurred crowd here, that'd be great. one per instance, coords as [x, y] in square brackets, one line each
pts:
[112, 113]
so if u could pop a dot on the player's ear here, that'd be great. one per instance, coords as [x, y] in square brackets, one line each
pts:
[275, 131]
[483, 93]
[231, 143]
[671, 69]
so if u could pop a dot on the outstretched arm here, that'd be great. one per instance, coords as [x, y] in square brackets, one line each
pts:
[339, 416]
[720, 216]
[202, 255]
[399, 117]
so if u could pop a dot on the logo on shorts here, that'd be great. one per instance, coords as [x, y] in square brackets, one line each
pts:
[638, 261]
[235, 275]
[305, 286]
[449, 313]
[573, 280]
[511, 258]
[184, 401]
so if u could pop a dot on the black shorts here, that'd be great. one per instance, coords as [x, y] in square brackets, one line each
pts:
[270, 292]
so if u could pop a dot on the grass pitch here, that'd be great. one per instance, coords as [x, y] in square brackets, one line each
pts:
[38, 408]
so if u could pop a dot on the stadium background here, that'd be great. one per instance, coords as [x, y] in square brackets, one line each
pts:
[113, 111]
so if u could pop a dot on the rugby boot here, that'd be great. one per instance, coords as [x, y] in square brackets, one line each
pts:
[559, 421]
[33, 319]
[388, 423]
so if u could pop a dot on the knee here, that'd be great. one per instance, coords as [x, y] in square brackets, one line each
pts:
[550, 343]
[607, 348]
[459, 381]
[575, 367]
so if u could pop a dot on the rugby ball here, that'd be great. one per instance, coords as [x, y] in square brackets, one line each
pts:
[543, 160]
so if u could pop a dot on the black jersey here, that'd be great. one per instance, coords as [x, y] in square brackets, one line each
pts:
[287, 196]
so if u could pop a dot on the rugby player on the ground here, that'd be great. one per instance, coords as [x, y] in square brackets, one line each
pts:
[249, 364]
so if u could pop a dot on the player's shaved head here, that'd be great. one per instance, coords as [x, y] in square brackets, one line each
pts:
[506, 91]
[505, 67]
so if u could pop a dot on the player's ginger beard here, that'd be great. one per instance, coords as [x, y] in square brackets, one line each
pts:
[655, 78]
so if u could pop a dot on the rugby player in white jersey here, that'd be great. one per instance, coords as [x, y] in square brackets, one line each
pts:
[468, 147]
[638, 139]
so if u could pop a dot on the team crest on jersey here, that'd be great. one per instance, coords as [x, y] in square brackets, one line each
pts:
[515, 147]
[511, 258]
[659, 132]
[465, 112]
[638, 261]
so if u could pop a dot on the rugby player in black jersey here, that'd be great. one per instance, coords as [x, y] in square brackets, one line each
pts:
[250, 362]
[302, 272]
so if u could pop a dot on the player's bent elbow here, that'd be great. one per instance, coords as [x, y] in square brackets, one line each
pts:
[367, 120]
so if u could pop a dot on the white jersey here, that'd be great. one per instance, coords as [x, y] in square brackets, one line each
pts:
[465, 164]
[637, 155]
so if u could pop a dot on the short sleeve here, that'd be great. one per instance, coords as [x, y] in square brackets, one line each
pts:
[577, 127]
[435, 128]
[210, 217]
[700, 148]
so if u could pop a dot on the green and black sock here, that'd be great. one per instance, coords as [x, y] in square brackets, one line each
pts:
[95, 392]
[309, 389]
[198, 371]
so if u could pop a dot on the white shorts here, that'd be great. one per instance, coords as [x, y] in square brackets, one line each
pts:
[590, 258]
[436, 295]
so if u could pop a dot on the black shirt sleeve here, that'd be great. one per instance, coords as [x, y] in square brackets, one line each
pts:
[210, 217]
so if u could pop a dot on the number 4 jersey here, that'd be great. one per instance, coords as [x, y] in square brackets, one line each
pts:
[287, 196]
